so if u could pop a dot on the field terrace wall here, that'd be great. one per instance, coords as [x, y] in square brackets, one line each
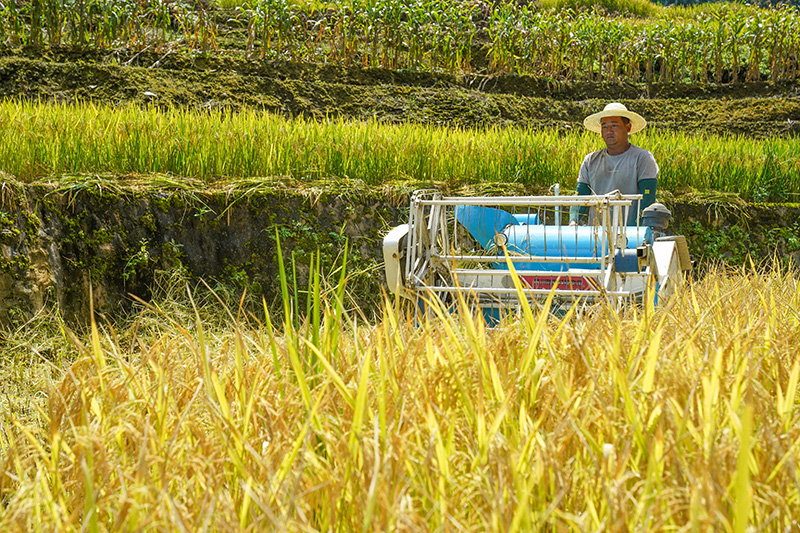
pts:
[64, 74]
[56, 244]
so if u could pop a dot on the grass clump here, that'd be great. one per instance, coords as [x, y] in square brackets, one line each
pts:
[684, 416]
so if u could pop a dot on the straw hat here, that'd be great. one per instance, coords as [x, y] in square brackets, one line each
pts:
[614, 109]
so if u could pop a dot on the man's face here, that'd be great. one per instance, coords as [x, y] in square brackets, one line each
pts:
[615, 132]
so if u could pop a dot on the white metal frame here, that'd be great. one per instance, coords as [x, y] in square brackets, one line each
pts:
[432, 255]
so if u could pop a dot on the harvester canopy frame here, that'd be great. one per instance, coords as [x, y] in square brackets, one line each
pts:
[464, 244]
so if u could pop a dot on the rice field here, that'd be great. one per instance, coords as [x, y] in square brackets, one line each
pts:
[195, 416]
[582, 41]
[41, 141]
[198, 414]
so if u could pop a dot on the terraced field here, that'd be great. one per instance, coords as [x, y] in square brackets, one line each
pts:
[183, 344]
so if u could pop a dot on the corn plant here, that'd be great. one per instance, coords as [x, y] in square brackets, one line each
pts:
[717, 43]
[13, 25]
[504, 33]
[275, 23]
[351, 26]
[197, 26]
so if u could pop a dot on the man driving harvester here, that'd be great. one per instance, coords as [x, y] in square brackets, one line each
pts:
[620, 165]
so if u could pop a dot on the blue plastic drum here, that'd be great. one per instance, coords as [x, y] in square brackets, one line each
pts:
[562, 243]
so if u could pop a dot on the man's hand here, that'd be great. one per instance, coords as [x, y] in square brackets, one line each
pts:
[573, 223]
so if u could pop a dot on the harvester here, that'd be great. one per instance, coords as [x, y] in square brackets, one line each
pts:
[475, 246]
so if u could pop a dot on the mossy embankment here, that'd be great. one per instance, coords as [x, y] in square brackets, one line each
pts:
[312, 90]
[119, 242]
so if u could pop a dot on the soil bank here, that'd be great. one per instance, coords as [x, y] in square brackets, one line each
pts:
[57, 247]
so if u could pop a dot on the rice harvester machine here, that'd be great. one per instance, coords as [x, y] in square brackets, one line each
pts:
[464, 245]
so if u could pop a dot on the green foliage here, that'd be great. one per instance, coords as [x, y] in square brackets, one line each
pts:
[8, 228]
[11, 236]
[739, 243]
[108, 23]
[787, 237]
[610, 40]
[731, 244]
[718, 43]
[637, 8]
[139, 260]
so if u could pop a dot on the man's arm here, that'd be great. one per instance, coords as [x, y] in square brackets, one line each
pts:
[578, 213]
[648, 180]
[647, 188]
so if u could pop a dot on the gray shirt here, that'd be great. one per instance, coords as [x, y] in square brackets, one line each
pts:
[604, 173]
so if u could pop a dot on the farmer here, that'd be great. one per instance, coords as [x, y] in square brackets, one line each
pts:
[620, 165]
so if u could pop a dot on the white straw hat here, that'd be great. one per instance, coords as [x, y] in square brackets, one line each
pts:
[614, 109]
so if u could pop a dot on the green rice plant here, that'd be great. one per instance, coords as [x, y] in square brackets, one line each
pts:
[44, 141]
